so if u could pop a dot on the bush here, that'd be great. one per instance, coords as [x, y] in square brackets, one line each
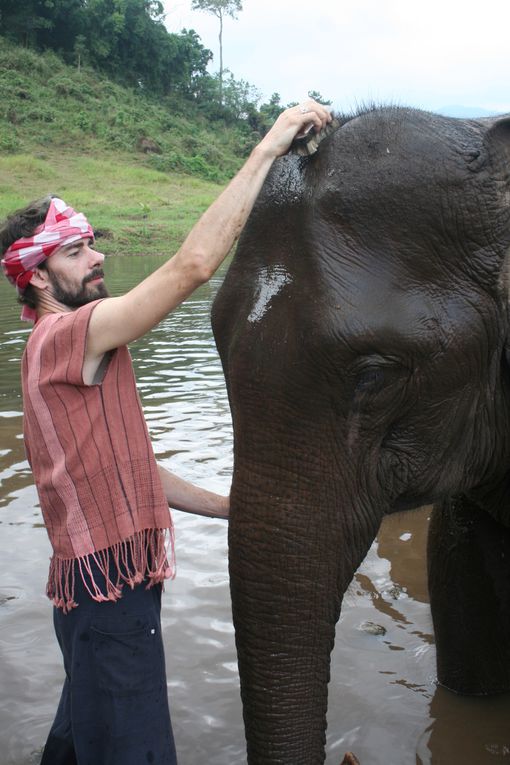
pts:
[9, 143]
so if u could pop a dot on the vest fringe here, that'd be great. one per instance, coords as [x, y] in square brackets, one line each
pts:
[148, 554]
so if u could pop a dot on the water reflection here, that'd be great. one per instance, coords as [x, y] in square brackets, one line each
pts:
[469, 730]
[383, 700]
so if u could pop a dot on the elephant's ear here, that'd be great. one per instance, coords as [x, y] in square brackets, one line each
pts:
[497, 142]
[499, 147]
[495, 160]
[497, 163]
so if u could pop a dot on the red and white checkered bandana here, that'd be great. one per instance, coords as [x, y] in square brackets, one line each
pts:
[62, 225]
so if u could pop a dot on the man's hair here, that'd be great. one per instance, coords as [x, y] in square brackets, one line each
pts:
[23, 223]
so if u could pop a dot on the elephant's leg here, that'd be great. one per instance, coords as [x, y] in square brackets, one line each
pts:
[469, 584]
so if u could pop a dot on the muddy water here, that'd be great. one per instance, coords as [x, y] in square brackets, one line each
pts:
[384, 704]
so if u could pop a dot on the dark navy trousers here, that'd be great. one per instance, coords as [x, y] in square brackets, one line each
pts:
[114, 705]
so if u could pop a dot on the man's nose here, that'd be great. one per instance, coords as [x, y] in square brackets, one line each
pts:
[96, 258]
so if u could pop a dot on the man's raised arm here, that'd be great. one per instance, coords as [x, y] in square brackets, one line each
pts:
[120, 320]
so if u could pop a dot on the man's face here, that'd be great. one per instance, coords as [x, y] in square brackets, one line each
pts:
[76, 275]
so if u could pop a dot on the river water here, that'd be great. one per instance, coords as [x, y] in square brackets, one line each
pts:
[384, 703]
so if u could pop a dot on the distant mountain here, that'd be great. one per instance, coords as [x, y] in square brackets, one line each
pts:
[464, 111]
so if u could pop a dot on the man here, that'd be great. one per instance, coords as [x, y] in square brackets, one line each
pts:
[104, 500]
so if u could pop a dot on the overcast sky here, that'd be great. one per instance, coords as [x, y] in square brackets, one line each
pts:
[430, 54]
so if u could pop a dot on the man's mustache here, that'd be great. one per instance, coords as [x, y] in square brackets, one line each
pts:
[96, 273]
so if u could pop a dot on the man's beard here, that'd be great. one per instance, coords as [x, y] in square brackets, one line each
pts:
[82, 296]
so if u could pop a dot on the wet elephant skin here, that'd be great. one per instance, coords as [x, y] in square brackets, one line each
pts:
[363, 327]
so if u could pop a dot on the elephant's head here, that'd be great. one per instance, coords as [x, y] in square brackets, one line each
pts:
[362, 328]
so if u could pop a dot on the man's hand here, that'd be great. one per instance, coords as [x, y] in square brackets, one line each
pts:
[290, 123]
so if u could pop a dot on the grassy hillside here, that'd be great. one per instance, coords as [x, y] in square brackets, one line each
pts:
[76, 134]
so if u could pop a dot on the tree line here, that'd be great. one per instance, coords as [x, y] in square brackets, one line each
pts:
[128, 41]
[125, 39]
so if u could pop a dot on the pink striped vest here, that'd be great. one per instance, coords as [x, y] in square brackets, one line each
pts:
[93, 465]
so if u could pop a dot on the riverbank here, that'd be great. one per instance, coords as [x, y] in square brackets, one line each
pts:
[134, 210]
[142, 169]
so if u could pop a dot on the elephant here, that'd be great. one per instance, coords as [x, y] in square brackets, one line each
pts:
[363, 330]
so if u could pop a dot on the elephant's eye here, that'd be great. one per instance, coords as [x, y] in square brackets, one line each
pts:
[376, 374]
[371, 378]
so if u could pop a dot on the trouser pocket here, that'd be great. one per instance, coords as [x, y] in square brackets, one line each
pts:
[128, 658]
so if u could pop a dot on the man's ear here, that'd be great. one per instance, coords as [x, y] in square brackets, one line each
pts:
[39, 278]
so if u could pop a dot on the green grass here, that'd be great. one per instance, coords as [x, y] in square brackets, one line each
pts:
[134, 209]
[76, 134]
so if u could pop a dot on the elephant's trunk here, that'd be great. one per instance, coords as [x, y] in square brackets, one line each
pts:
[285, 627]
[287, 583]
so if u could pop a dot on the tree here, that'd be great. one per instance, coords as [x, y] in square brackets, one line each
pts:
[239, 98]
[319, 97]
[32, 23]
[189, 64]
[80, 49]
[220, 9]
[272, 109]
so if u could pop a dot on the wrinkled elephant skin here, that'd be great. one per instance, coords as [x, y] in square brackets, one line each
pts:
[362, 327]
